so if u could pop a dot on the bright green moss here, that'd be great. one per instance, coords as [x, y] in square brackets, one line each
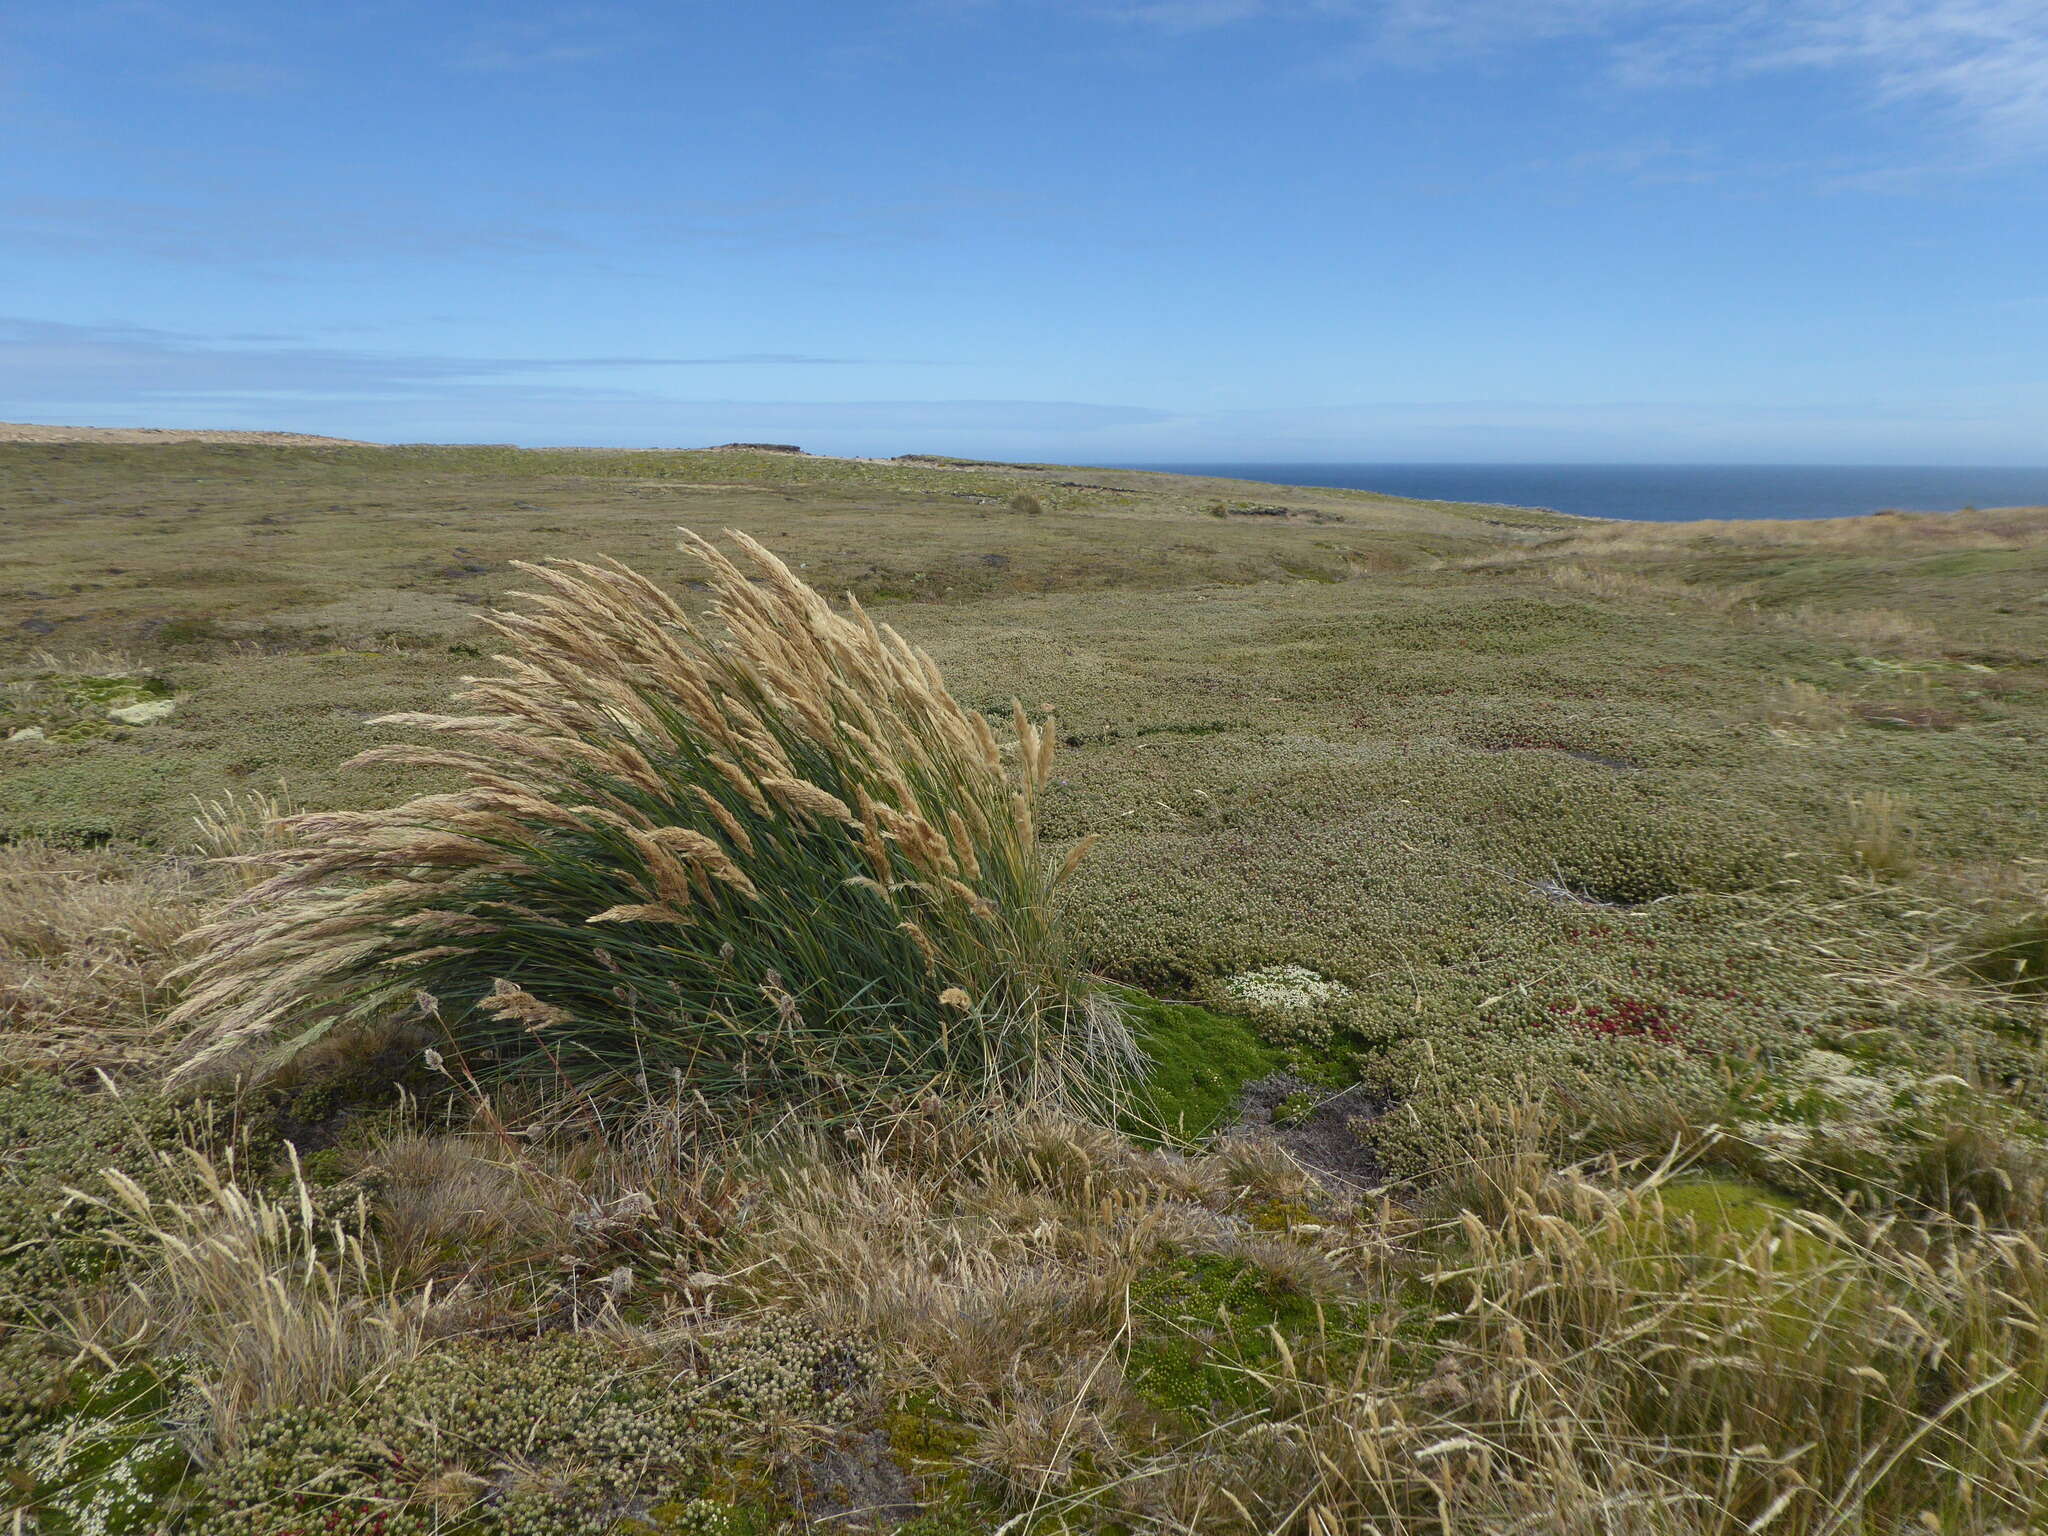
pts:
[1731, 1205]
[1200, 1062]
[1200, 1325]
[699, 1517]
[1708, 1214]
[1296, 1107]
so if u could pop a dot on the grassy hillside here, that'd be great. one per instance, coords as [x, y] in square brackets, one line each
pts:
[1636, 934]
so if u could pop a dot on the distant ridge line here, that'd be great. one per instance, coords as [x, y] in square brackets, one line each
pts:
[30, 432]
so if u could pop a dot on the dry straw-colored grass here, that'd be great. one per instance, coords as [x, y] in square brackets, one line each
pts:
[1994, 528]
[1595, 581]
[1794, 705]
[88, 938]
[1610, 1364]
[269, 1301]
[779, 861]
[1870, 629]
[1621, 562]
[1600, 1350]
[238, 828]
[1877, 834]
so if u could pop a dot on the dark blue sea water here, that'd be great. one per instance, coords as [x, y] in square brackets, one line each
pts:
[1668, 493]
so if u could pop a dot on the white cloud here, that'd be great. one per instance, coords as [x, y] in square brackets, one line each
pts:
[128, 375]
[1982, 64]
[1983, 61]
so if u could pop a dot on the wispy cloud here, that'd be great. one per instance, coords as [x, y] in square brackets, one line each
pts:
[1983, 61]
[1979, 64]
[511, 44]
[255, 231]
[125, 375]
[130, 375]
[132, 362]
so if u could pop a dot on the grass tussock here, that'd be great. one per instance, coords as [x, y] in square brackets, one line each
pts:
[1877, 834]
[779, 862]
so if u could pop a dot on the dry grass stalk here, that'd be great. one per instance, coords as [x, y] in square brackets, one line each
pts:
[239, 829]
[1993, 528]
[1596, 581]
[1800, 706]
[1577, 1353]
[1873, 629]
[1616, 1361]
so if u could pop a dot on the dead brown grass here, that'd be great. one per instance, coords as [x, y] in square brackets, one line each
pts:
[1998, 528]
[270, 1298]
[87, 940]
[1587, 1351]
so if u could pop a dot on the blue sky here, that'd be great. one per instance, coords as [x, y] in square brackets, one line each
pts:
[1077, 230]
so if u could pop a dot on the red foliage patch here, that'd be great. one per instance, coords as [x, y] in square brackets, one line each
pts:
[1621, 1015]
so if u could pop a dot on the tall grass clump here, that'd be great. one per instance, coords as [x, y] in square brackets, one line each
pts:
[1877, 834]
[768, 858]
[267, 1299]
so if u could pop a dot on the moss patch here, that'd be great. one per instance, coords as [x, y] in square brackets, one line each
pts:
[1200, 1064]
[1200, 1325]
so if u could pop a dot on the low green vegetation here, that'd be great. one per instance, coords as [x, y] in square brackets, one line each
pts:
[1197, 1064]
[1629, 940]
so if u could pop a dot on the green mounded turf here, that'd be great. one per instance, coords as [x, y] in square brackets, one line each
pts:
[1200, 1062]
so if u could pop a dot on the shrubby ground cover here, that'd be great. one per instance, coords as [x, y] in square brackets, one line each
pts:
[1656, 910]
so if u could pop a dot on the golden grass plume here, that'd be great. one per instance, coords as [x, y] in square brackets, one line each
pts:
[774, 858]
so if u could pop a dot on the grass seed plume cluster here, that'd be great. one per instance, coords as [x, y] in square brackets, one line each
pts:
[774, 863]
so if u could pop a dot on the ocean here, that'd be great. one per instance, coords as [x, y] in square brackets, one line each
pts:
[1668, 493]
